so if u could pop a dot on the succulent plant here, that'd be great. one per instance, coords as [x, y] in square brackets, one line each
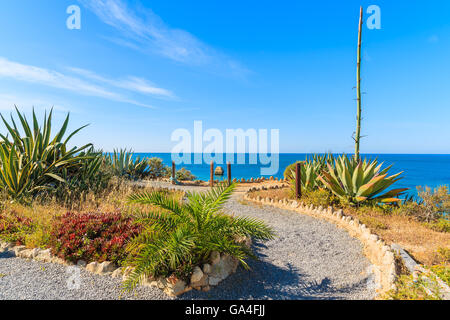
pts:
[360, 181]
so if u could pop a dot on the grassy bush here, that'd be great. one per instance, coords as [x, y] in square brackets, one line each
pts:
[92, 236]
[318, 197]
[433, 206]
[156, 169]
[185, 233]
[185, 175]
[15, 228]
[407, 289]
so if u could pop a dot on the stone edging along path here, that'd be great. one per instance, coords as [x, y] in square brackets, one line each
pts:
[380, 255]
[220, 266]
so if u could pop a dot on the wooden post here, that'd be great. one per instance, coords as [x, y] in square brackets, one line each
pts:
[211, 181]
[229, 172]
[173, 170]
[298, 180]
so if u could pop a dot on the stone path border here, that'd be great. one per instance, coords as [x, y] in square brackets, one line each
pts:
[376, 250]
[220, 266]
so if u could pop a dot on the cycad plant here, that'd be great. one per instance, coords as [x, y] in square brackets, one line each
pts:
[185, 233]
[356, 181]
[33, 160]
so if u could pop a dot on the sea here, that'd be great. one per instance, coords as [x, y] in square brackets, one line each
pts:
[430, 170]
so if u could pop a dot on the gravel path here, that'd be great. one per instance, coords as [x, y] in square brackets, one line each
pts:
[309, 259]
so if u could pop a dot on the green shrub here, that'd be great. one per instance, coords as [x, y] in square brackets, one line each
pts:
[441, 225]
[156, 168]
[185, 175]
[407, 289]
[433, 206]
[15, 228]
[319, 197]
[185, 233]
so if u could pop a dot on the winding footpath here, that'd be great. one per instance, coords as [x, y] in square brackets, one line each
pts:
[309, 259]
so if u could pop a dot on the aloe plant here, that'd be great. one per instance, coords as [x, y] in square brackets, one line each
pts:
[34, 161]
[360, 181]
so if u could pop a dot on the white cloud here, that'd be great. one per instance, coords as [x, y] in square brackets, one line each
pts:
[147, 32]
[50, 78]
[24, 103]
[130, 83]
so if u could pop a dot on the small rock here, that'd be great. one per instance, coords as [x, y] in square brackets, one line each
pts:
[206, 288]
[92, 267]
[206, 268]
[117, 273]
[81, 263]
[44, 256]
[213, 281]
[214, 257]
[197, 275]
[106, 267]
[17, 249]
[202, 282]
[176, 288]
[218, 171]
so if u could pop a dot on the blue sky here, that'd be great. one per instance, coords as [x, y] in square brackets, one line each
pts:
[137, 70]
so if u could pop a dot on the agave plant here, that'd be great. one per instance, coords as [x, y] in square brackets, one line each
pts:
[34, 161]
[308, 174]
[360, 181]
[310, 170]
[123, 164]
[185, 233]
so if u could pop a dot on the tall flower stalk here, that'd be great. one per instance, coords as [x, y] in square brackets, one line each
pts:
[358, 88]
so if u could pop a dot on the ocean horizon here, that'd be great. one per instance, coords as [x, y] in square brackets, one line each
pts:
[430, 170]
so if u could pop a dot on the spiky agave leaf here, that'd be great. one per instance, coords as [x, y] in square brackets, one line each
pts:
[32, 161]
[359, 181]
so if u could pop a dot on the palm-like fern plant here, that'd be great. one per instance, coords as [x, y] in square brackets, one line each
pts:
[184, 234]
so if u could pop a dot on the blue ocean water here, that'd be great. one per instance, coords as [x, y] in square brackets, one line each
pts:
[419, 169]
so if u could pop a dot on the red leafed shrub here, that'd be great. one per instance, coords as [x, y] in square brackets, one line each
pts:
[92, 237]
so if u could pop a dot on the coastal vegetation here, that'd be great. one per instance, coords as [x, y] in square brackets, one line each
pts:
[185, 234]
[85, 205]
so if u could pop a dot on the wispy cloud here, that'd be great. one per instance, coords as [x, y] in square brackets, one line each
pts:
[143, 30]
[8, 101]
[50, 78]
[130, 83]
